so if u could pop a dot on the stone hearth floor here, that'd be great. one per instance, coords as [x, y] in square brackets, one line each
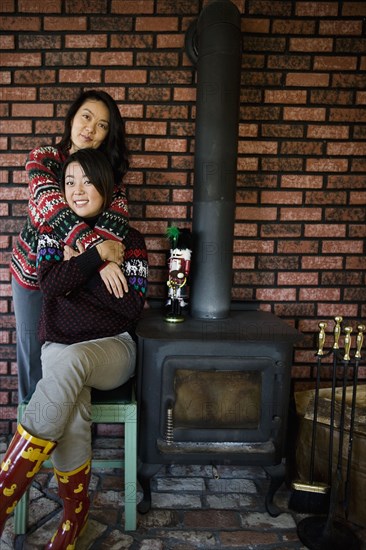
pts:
[191, 509]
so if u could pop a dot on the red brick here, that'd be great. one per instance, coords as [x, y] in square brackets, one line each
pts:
[170, 41]
[248, 130]
[361, 98]
[319, 294]
[293, 214]
[297, 246]
[356, 262]
[243, 262]
[149, 161]
[34, 77]
[341, 27]
[247, 164]
[37, 6]
[15, 24]
[32, 110]
[346, 246]
[184, 94]
[257, 147]
[298, 279]
[311, 44]
[111, 58]
[347, 115]
[354, 9]
[76, 41]
[331, 310]
[322, 262]
[358, 197]
[350, 148]
[79, 75]
[328, 132]
[334, 63]
[256, 26]
[307, 79]
[325, 230]
[246, 230]
[304, 113]
[331, 97]
[21, 59]
[326, 165]
[173, 212]
[68, 24]
[346, 180]
[325, 197]
[146, 128]
[157, 24]
[249, 246]
[254, 213]
[317, 9]
[294, 26]
[285, 96]
[282, 164]
[281, 197]
[307, 148]
[133, 6]
[302, 181]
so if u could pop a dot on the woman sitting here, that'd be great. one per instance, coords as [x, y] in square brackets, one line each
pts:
[88, 342]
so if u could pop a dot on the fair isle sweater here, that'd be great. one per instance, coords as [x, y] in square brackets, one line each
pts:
[47, 206]
[76, 303]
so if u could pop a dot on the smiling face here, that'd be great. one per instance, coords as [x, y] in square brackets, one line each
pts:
[81, 195]
[90, 125]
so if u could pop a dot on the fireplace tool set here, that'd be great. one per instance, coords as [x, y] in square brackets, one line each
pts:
[323, 531]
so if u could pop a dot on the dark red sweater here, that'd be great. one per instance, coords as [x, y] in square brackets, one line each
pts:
[77, 306]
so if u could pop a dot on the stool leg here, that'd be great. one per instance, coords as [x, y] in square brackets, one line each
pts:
[130, 467]
[21, 510]
[21, 515]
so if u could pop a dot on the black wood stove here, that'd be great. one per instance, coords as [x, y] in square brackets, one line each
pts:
[214, 392]
[215, 388]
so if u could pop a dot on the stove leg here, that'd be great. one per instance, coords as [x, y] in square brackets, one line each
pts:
[144, 474]
[277, 474]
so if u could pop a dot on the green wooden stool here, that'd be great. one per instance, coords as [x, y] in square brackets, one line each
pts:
[116, 406]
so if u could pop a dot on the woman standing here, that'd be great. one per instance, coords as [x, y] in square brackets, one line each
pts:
[93, 121]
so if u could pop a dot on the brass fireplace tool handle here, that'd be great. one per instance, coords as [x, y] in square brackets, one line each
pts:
[347, 343]
[321, 338]
[359, 340]
[337, 331]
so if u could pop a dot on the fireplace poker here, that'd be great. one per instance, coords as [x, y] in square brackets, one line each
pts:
[347, 489]
[337, 331]
[312, 497]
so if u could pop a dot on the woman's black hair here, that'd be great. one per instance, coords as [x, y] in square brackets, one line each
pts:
[114, 145]
[97, 168]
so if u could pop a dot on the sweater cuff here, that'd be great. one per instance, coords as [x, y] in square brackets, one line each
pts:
[89, 261]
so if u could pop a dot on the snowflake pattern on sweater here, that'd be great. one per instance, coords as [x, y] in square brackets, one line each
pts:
[76, 303]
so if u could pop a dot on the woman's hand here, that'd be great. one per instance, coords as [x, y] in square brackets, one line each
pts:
[114, 279]
[111, 251]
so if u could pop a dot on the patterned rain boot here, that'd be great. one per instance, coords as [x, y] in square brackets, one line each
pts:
[23, 459]
[73, 490]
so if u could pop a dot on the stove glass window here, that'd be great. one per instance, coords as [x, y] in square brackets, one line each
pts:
[211, 399]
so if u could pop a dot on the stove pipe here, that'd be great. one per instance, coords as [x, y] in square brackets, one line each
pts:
[214, 42]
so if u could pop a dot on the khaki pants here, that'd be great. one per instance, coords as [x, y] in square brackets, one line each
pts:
[60, 408]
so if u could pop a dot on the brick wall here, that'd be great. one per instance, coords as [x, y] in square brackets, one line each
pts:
[300, 218]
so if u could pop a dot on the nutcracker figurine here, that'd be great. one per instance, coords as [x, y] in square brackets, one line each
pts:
[179, 265]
